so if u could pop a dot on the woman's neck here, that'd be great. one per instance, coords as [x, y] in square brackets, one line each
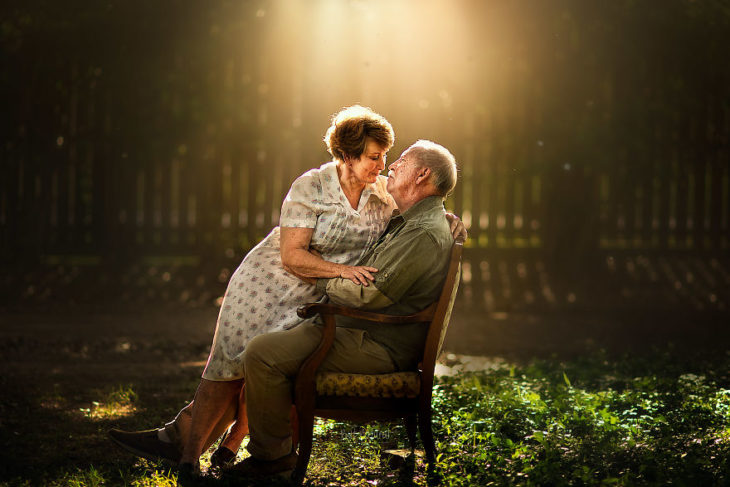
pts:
[350, 184]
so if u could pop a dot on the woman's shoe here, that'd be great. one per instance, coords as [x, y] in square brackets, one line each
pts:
[222, 458]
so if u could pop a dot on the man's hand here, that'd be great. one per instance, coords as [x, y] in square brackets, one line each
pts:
[457, 226]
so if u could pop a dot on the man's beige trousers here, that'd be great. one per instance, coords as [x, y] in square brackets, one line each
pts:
[271, 362]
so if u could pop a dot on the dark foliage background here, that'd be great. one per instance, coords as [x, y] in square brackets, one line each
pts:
[592, 136]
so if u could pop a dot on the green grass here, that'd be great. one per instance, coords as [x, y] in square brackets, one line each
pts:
[657, 419]
[587, 422]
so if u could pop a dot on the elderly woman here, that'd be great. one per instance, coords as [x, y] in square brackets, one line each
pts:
[328, 218]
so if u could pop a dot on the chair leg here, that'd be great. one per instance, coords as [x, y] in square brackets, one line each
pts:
[411, 425]
[306, 427]
[424, 427]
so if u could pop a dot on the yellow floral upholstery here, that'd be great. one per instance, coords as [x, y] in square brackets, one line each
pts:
[397, 384]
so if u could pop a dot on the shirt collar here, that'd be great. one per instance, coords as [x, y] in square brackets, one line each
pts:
[424, 205]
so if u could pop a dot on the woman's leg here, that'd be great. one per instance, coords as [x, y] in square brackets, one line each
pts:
[239, 430]
[213, 410]
[178, 430]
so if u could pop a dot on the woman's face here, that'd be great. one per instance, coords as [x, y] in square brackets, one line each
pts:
[370, 163]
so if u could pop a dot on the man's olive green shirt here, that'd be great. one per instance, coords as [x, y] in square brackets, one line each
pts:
[412, 258]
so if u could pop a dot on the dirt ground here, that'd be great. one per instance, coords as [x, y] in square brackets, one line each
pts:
[59, 369]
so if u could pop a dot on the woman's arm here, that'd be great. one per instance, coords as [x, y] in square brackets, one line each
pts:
[298, 260]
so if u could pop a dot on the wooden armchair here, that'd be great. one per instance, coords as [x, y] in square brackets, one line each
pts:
[365, 398]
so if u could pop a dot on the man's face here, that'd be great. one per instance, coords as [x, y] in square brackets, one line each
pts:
[402, 175]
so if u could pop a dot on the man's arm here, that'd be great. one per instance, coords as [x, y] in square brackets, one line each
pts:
[401, 263]
[347, 293]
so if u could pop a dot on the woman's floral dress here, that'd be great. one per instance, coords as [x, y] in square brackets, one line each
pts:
[261, 296]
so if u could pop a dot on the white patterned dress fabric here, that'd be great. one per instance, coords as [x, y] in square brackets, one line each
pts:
[261, 296]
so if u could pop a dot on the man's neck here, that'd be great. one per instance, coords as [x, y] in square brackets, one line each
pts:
[407, 201]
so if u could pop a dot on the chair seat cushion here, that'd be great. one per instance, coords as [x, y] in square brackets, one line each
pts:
[397, 384]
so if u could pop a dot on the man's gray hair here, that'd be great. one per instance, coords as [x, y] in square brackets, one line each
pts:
[441, 162]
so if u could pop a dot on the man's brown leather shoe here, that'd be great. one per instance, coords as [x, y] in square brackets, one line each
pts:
[146, 444]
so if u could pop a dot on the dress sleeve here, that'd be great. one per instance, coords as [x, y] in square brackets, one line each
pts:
[300, 207]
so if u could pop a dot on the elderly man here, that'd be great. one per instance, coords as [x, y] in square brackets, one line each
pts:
[411, 257]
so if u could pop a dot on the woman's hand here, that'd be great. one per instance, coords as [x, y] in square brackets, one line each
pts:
[457, 226]
[359, 274]
[299, 259]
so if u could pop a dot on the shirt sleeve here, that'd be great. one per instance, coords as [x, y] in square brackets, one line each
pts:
[299, 209]
[404, 261]
[346, 293]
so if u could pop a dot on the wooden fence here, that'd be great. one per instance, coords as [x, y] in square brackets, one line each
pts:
[71, 184]
[178, 141]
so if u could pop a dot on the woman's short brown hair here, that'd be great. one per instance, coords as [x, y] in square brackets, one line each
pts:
[351, 128]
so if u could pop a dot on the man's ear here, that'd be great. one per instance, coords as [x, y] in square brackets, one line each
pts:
[423, 175]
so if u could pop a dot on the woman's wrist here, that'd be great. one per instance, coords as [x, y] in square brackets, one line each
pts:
[341, 268]
[320, 268]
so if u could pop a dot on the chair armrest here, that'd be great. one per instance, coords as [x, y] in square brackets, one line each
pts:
[309, 310]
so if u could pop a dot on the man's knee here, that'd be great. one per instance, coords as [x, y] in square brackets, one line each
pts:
[281, 350]
[255, 352]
